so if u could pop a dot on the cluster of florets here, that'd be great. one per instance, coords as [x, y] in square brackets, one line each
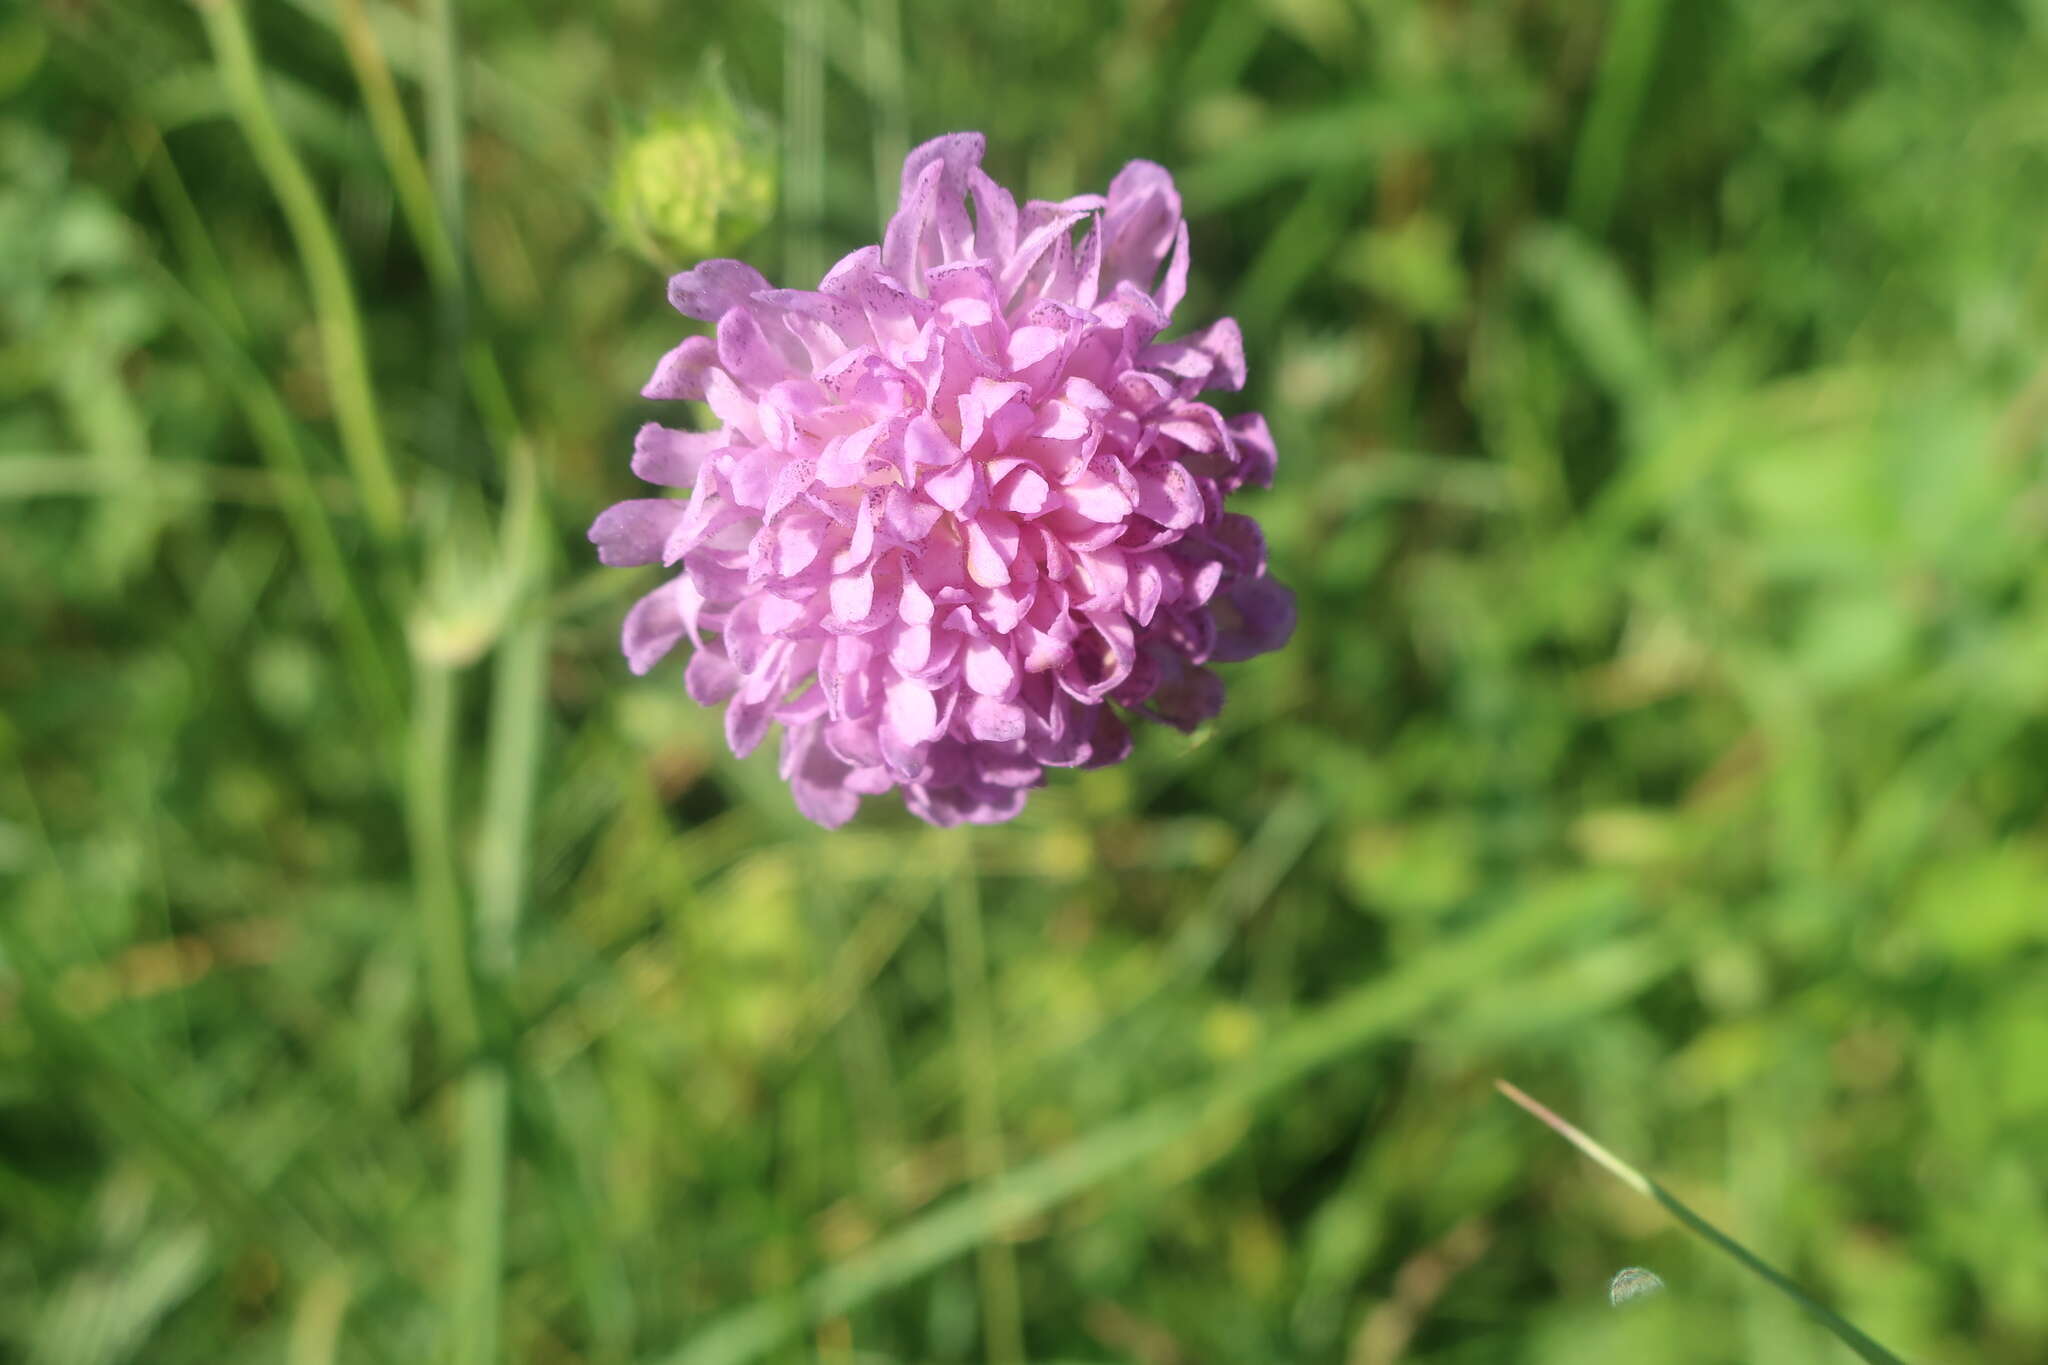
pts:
[961, 499]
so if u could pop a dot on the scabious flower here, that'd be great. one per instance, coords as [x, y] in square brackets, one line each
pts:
[962, 504]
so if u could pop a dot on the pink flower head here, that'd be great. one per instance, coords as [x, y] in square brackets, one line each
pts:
[960, 501]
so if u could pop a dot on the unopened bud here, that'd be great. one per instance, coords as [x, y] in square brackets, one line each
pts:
[696, 181]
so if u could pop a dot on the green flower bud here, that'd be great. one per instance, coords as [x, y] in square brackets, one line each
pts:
[696, 181]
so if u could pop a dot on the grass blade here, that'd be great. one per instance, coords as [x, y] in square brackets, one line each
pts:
[511, 777]
[1628, 1175]
[386, 109]
[342, 348]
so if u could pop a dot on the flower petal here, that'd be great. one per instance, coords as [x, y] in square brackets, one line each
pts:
[682, 373]
[910, 712]
[634, 532]
[714, 287]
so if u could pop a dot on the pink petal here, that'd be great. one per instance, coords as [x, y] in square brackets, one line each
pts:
[911, 713]
[634, 532]
[1029, 345]
[652, 628]
[797, 541]
[1097, 499]
[710, 678]
[713, 287]
[903, 240]
[927, 445]
[682, 372]
[913, 649]
[990, 670]
[746, 353]
[916, 605]
[862, 543]
[746, 724]
[959, 489]
[995, 231]
[1168, 496]
[672, 458]
[991, 546]
[1256, 451]
[1143, 591]
[994, 720]
[853, 596]
[1023, 491]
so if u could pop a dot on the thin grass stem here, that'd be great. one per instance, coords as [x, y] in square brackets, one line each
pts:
[511, 779]
[401, 153]
[424, 199]
[1628, 1175]
[484, 1150]
[188, 228]
[443, 87]
[343, 352]
[451, 988]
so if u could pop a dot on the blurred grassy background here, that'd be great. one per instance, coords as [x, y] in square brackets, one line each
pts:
[385, 975]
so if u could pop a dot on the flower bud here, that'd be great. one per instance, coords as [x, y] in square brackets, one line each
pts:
[696, 181]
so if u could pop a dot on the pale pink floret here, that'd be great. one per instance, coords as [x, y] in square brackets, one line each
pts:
[960, 500]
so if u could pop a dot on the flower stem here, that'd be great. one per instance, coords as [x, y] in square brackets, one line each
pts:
[511, 779]
[436, 893]
[1628, 1175]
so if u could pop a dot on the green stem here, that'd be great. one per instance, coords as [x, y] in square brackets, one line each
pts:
[401, 153]
[422, 203]
[480, 1214]
[342, 349]
[513, 753]
[438, 898]
[1628, 1175]
[188, 229]
[511, 779]
[484, 1153]
[444, 114]
[967, 957]
[443, 87]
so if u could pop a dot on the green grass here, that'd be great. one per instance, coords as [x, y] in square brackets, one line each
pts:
[386, 975]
